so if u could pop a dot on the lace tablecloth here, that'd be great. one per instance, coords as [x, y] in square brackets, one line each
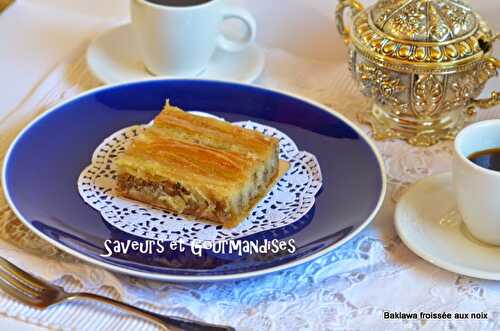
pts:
[348, 289]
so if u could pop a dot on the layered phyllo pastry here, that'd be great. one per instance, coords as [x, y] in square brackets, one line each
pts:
[199, 167]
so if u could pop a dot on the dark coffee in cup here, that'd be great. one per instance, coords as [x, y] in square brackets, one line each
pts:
[178, 3]
[489, 159]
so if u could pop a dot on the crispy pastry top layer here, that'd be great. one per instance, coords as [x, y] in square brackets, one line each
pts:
[175, 123]
[213, 156]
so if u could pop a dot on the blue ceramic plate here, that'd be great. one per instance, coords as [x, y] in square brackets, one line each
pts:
[43, 164]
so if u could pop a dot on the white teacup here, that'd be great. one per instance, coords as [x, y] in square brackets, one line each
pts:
[178, 40]
[477, 189]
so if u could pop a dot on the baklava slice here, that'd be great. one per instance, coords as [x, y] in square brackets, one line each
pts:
[199, 167]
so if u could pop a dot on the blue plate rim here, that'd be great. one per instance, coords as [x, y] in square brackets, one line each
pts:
[204, 278]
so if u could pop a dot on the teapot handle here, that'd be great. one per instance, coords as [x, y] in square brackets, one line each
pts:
[355, 7]
[494, 99]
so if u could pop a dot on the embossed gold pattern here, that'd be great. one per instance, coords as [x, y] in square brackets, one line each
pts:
[411, 38]
[378, 83]
[423, 62]
[427, 94]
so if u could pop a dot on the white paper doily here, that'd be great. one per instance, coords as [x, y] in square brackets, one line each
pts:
[289, 200]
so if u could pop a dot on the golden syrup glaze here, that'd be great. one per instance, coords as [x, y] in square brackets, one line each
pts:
[172, 121]
[165, 157]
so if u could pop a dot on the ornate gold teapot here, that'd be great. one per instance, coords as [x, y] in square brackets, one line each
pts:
[423, 62]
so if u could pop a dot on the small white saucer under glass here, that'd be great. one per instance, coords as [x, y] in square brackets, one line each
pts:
[113, 58]
[428, 222]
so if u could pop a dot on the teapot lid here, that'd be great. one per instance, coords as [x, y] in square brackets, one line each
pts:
[425, 33]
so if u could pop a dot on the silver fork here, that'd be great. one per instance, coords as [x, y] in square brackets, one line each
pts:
[41, 294]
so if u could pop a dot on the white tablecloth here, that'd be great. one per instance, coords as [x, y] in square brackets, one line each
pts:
[42, 43]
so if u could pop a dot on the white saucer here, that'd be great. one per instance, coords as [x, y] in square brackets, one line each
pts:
[429, 224]
[113, 58]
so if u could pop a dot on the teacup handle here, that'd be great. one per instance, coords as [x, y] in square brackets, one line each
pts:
[355, 7]
[494, 99]
[251, 29]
